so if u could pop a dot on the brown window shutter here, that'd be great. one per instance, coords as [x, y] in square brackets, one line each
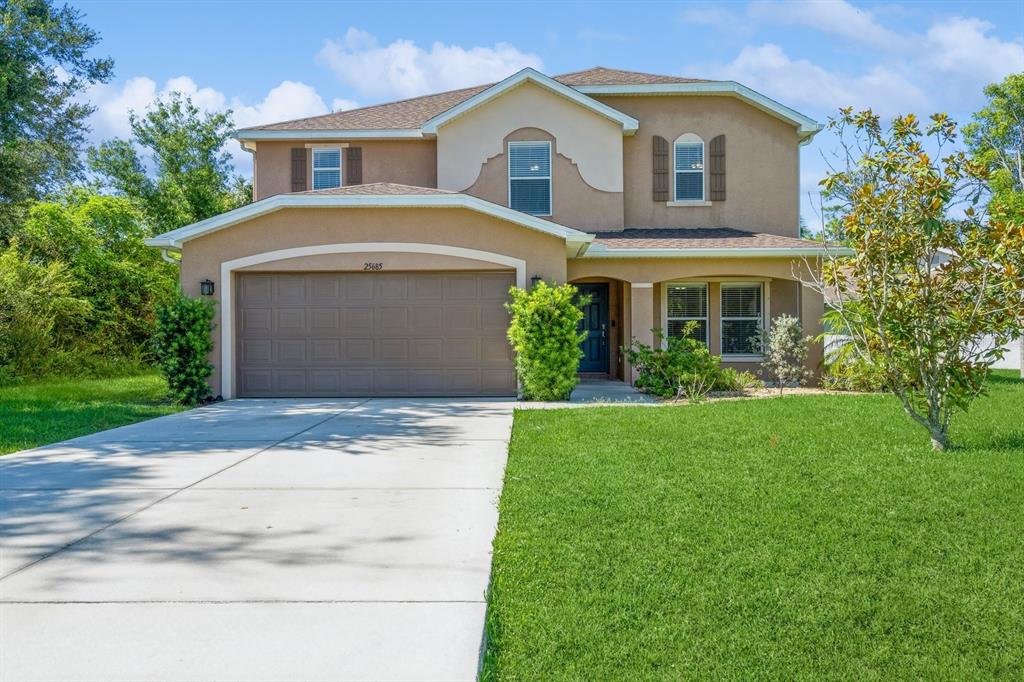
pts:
[354, 166]
[661, 187]
[718, 168]
[299, 165]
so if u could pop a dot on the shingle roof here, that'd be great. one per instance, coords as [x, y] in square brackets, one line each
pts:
[697, 238]
[413, 112]
[600, 75]
[377, 189]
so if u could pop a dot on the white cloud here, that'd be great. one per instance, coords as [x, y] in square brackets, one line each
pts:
[341, 104]
[836, 16]
[962, 46]
[799, 82]
[403, 69]
[286, 101]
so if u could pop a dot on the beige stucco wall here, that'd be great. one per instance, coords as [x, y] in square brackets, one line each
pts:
[762, 163]
[573, 202]
[591, 141]
[408, 162]
[293, 227]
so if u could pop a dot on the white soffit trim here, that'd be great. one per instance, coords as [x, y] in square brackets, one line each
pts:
[227, 306]
[335, 134]
[807, 127]
[628, 123]
[601, 251]
[175, 238]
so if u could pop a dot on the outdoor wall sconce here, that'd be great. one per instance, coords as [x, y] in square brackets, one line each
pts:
[206, 287]
[535, 280]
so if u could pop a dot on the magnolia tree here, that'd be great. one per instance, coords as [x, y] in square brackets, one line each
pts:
[934, 269]
[785, 352]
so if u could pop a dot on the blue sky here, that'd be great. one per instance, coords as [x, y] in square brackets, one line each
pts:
[273, 61]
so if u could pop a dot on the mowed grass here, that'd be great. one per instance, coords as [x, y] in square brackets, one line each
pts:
[808, 537]
[44, 412]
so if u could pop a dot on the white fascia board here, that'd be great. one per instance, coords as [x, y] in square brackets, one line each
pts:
[629, 124]
[336, 134]
[601, 251]
[806, 126]
[175, 238]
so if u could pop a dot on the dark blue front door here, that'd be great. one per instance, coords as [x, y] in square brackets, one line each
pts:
[595, 324]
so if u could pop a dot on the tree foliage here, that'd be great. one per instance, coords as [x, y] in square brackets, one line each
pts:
[95, 244]
[183, 343]
[545, 336]
[995, 138]
[183, 173]
[43, 66]
[925, 285]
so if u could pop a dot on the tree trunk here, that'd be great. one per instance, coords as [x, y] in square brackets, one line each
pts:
[939, 438]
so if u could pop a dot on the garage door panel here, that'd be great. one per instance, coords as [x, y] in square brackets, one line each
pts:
[358, 321]
[361, 334]
[290, 320]
[325, 350]
[290, 289]
[359, 350]
[325, 319]
[392, 319]
[257, 351]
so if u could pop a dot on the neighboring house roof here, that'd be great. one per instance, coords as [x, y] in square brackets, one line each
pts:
[374, 195]
[408, 118]
[725, 242]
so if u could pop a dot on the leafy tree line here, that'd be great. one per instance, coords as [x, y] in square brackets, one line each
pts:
[79, 288]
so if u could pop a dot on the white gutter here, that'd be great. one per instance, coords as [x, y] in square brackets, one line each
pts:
[175, 238]
[602, 251]
[332, 134]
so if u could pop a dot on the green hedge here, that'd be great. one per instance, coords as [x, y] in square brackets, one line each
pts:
[545, 336]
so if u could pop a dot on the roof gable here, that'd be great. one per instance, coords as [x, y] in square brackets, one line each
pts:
[528, 75]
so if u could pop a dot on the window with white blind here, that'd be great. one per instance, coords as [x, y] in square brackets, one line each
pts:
[529, 177]
[326, 168]
[689, 168]
[742, 317]
[685, 303]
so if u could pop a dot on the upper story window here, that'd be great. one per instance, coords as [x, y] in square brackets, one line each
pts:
[742, 317]
[689, 168]
[326, 168]
[686, 303]
[529, 177]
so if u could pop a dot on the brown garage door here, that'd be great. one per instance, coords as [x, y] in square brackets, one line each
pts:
[380, 334]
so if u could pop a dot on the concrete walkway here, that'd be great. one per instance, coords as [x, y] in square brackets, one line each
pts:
[255, 540]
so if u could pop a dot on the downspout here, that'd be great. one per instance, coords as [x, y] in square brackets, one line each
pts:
[169, 258]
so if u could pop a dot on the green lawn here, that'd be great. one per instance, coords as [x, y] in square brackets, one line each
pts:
[45, 412]
[805, 537]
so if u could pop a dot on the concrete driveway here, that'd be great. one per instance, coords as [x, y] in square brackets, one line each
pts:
[255, 540]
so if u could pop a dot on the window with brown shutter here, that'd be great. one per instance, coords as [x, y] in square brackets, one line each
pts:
[717, 167]
[299, 163]
[354, 166]
[661, 172]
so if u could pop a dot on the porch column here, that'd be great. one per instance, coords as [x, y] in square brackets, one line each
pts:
[641, 318]
[812, 308]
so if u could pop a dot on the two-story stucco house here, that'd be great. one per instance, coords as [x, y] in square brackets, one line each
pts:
[381, 243]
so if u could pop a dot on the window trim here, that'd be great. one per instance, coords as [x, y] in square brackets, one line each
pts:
[707, 308]
[551, 184]
[722, 318]
[689, 138]
[313, 169]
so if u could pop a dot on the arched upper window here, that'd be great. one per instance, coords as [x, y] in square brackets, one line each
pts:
[688, 178]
